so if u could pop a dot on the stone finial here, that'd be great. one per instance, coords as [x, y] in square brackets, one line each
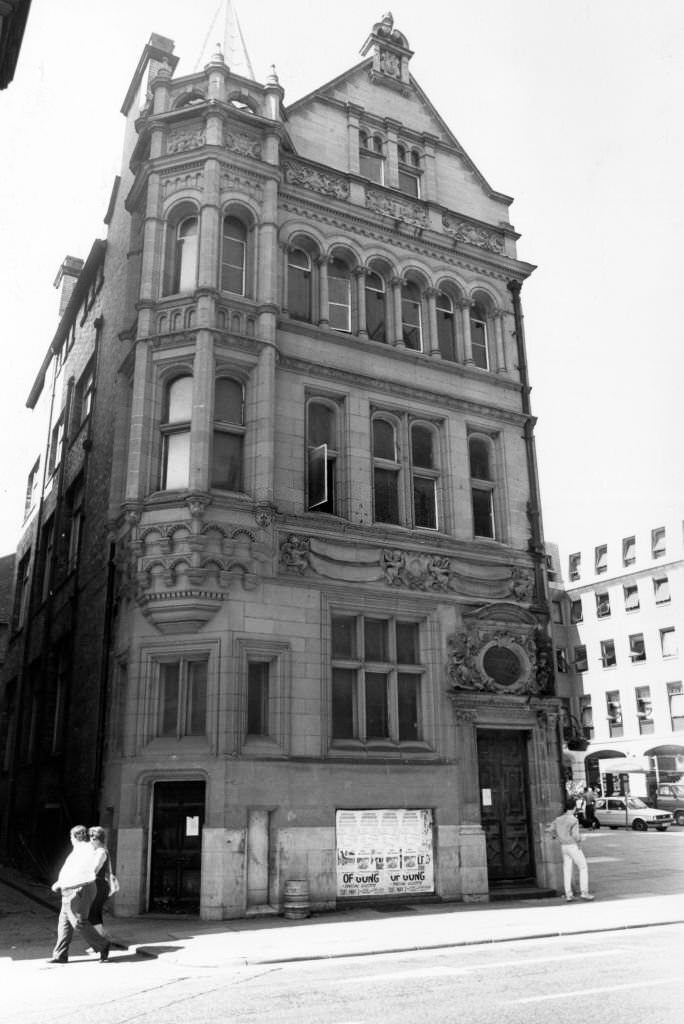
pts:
[272, 78]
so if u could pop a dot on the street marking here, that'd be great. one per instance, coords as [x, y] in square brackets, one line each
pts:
[597, 991]
[602, 860]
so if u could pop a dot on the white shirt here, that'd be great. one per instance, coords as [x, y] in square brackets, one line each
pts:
[79, 867]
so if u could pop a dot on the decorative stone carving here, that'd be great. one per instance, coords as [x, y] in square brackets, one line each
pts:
[316, 180]
[522, 585]
[264, 515]
[390, 64]
[295, 553]
[503, 651]
[182, 181]
[465, 715]
[242, 144]
[463, 231]
[397, 209]
[179, 140]
[235, 180]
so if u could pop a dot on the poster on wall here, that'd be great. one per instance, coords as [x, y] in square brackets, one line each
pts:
[384, 852]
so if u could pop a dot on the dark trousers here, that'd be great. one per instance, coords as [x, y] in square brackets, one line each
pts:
[73, 917]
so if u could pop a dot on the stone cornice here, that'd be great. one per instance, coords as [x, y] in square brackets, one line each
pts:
[438, 399]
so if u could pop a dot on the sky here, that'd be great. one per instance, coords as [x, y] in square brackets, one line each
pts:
[573, 108]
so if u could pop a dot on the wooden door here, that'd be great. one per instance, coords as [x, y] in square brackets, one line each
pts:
[504, 804]
[177, 822]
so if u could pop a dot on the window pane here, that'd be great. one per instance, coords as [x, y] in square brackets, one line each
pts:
[407, 643]
[407, 697]
[668, 643]
[375, 307]
[179, 401]
[410, 316]
[478, 336]
[169, 679]
[176, 460]
[257, 698]
[299, 286]
[186, 256]
[370, 166]
[445, 335]
[344, 637]
[318, 478]
[421, 447]
[383, 441]
[483, 519]
[233, 257]
[321, 425]
[197, 698]
[343, 697]
[424, 503]
[226, 461]
[408, 183]
[661, 587]
[576, 611]
[377, 726]
[375, 640]
[339, 296]
[386, 496]
[479, 459]
[228, 401]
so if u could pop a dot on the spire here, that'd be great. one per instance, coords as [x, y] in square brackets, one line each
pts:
[225, 26]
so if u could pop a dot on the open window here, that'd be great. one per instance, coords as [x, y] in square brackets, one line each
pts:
[299, 285]
[322, 454]
[376, 307]
[411, 316]
[339, 295]
[371, 157]
[482, 486]
[234, 256]
[182, 248]
[175, 431]
[479, 335]
[446, 327]
[229, 431]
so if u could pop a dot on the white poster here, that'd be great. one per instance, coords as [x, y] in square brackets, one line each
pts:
[384, 852]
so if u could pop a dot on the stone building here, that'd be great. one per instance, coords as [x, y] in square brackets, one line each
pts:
[328, 656]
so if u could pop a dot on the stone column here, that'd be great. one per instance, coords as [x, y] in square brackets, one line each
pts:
[152, 249]
[285, 272]
[429, 179]
[264, 425]
[324, 311]
[202, 412]
[465, 322]
[361, 326]
[498, 321]
[433, 333]
[353, 114]
[140, 442]
[398, 334]
[210, 228]
[267, 263]
[392, 160]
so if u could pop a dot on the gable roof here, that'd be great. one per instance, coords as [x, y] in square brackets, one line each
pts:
[360, 72]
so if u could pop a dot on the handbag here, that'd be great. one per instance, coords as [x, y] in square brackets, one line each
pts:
[113, 884]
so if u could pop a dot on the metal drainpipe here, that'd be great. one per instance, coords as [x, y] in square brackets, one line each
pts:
[537, 543]
[104, 684]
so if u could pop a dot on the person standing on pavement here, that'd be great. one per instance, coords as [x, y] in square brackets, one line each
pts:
[103, 876]
[589, 801]
[76, 883]
[565, 828]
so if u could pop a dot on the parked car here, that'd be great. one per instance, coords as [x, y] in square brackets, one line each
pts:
[630, 812]
[670, 797]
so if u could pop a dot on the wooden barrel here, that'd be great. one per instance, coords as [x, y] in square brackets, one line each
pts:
[296, 903]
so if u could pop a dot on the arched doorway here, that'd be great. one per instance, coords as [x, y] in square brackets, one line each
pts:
[591, 767]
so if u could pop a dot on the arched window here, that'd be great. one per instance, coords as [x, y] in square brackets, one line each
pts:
[482, 487]
[446, 333]
[411, 316]
[386, 469]
[375, 307]
[371, 157]
[339, 295]
[423, 477]
[322, 457]
[478, 335]
[175, 430]
[229, 431]
[180, 272]
[234, 256]
[299, 285]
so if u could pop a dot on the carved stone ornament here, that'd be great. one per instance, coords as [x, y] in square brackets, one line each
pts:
[316, 180]
[463, 231]
[501, 652]
[522, 585]
[181, 571]
[181, 180]
[242, 144]
[236, 180]
[295, 553]
[389, 64]
[179, 140]
[397, 209]
[264, 515]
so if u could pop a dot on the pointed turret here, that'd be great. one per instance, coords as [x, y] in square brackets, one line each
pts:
[225, 35]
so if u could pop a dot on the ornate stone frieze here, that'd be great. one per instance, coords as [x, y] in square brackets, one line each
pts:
[180, 140]
[234, 179]
[245, 145]
[501, 650]
[316, 180]
[472, 234]
[181, 180]
[397, 209]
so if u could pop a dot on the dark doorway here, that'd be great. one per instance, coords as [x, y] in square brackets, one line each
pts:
[504, 805]
[177, 823]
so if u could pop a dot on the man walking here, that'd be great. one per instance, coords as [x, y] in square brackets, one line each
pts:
[76, 883]
[565, 828]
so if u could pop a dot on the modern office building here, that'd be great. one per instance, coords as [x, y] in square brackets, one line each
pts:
[617, 613]
[319, 645]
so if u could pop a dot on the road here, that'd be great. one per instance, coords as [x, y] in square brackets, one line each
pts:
[596, 978]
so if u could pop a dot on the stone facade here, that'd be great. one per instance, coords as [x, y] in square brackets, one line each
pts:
[329, 590]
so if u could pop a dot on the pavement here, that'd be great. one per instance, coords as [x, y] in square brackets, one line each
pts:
[360, 931]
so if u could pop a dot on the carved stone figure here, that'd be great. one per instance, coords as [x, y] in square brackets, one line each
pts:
[522, 584]
[295, 553]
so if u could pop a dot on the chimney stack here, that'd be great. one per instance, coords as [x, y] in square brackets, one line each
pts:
[67, 276]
